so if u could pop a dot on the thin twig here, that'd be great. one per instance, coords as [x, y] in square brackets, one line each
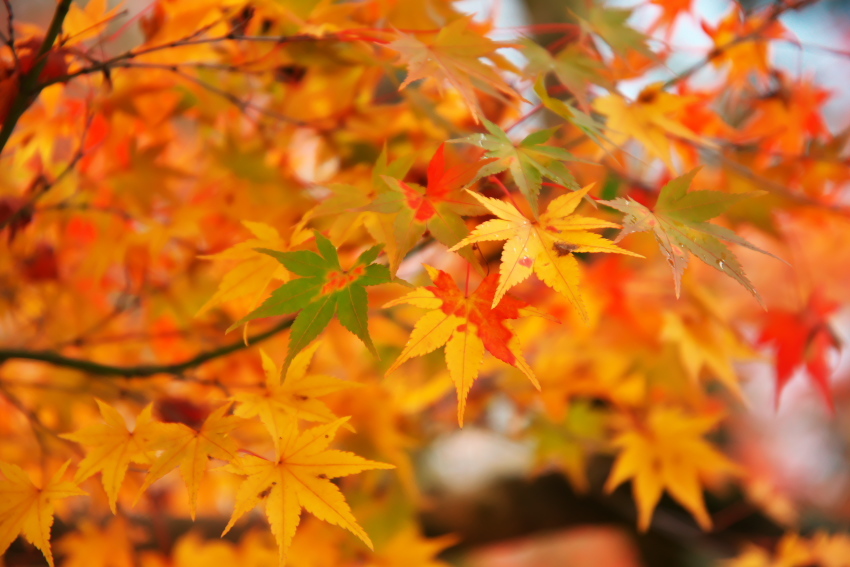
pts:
[35, 421]
[241, 104]
[130, 55]
[10, 26]
[777, 10]
[46, 186]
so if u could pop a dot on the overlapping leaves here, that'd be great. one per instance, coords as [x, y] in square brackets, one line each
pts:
[529, 161]
[678, 221]
[324, 289]
[436, 208]
[467, 326]
[544, 247]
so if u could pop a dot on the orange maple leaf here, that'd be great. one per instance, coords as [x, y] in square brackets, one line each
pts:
[741, 43]
[454, 55]
[467, 325]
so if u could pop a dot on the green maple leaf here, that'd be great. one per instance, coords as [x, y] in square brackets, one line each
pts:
[324, 289]
[679, 224]
[529, 161]
[573, 66]
[611, 24]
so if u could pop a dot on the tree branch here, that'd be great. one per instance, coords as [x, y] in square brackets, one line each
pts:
[29, 86]
[140, 371]
[776, 11]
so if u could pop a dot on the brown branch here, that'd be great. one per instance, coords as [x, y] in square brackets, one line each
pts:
[29, 86]
[10, 26]
[144, 370]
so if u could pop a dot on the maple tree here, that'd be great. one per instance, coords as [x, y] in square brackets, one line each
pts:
[364, 189]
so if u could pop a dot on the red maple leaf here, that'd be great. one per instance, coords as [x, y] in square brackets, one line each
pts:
[803, 338]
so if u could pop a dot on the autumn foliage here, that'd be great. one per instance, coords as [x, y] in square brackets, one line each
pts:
[259, 256]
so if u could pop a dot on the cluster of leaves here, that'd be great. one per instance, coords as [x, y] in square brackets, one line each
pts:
[252, 163]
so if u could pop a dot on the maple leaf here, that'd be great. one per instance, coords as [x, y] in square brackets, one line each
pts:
[744, 58]
[301, 478]
[528, 161]
[667, 451]
[545, 246]
[803, 338]
[94, 546]
[652, 119]
[436, 208]
[678, 222]
[791, 551]
[467, 326]
[28, 509]
[296, 397]
[611, 25]
[350, 206]
[581, 120]
[114, 447]
[670, 11]
[703, 342]
[255, 270]
[573, 66]
[790, 118]
[409, 548]
[83, 24]
[454, 55]
[191, 449]
[324, 289]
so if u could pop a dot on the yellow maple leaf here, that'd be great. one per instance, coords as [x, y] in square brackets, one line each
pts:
[294, 397]
[254, 270]
[705, 343]
[28, 509]
[545, 246]
[408, 548]
[454, 56]
[93, 546]
[300, 478]
[667, 451]
[114, 447]
[652, 119]
[792, 551]
[822, 549]
[191, 450]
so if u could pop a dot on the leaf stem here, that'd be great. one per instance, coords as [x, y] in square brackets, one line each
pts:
[498, 182]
